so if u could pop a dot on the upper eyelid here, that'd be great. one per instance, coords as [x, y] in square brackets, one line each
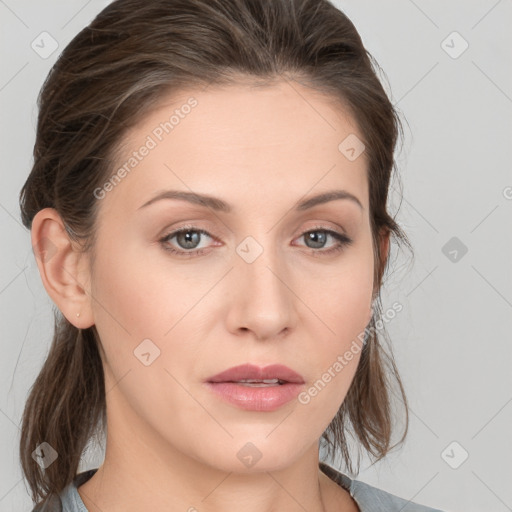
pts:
[341, 241]
[193, 227]
[174, 232]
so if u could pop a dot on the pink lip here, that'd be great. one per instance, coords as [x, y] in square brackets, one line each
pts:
[250, 371]
[267, 398]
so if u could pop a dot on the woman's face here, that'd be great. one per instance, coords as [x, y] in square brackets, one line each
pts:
[252, 279]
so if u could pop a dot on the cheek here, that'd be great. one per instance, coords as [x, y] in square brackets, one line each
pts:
[136, 300]
[342, 297]
[336, 356]
[130, 293]
[344, 305]
[352, 306]
[141, 319]
[127, 302]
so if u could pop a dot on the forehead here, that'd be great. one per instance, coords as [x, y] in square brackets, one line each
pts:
[279, 139]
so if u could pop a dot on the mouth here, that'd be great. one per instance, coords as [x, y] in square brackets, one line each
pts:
[254, 383]
[254, 388]
[275, 374]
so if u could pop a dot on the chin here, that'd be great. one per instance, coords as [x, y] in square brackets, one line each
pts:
[257, 453]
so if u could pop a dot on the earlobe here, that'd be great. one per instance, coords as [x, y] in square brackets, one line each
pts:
[62, 267]
[384, 246]
[370, 314]
[383, 253]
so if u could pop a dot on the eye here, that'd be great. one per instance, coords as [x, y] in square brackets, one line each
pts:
[318, 236]
[187, 238]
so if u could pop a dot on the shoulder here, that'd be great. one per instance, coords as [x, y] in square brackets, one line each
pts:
[68, 499]
[373, 499]
[52, 505]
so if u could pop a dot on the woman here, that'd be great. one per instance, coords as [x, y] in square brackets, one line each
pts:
[208, 212]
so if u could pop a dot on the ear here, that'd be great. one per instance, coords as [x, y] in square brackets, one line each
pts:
[384, 246]
[384, 237]
[63, 269]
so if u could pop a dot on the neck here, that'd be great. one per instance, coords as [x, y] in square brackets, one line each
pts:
[143, 471]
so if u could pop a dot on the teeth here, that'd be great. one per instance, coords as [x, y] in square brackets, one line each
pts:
[257, 384]
[255, 381]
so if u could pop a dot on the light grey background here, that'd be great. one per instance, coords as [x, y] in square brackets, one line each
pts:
[452, 341]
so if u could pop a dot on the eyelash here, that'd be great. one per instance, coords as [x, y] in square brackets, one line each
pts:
[343, 241]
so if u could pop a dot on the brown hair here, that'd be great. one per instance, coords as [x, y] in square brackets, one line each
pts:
[107, 78]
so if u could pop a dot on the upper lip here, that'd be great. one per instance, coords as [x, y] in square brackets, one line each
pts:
[250, 371]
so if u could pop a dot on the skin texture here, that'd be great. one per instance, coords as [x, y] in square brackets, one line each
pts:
[170, 441]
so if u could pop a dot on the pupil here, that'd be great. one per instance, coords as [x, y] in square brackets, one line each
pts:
[315, 236]
[190, 239]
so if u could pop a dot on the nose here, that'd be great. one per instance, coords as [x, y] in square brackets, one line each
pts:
[262, 301]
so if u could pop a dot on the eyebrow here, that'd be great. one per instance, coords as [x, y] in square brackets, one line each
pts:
[219, 205]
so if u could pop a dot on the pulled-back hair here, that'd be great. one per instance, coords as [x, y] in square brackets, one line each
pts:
[105, 81]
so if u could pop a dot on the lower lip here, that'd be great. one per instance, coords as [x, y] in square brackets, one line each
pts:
[268, 398]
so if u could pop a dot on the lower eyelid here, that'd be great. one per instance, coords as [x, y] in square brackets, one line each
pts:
[173, 234]
[341, 240]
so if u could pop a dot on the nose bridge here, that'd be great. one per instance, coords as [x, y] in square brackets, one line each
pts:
[264, 303]
[261, 271]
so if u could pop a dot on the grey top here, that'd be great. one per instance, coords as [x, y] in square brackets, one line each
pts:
[367, 497]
